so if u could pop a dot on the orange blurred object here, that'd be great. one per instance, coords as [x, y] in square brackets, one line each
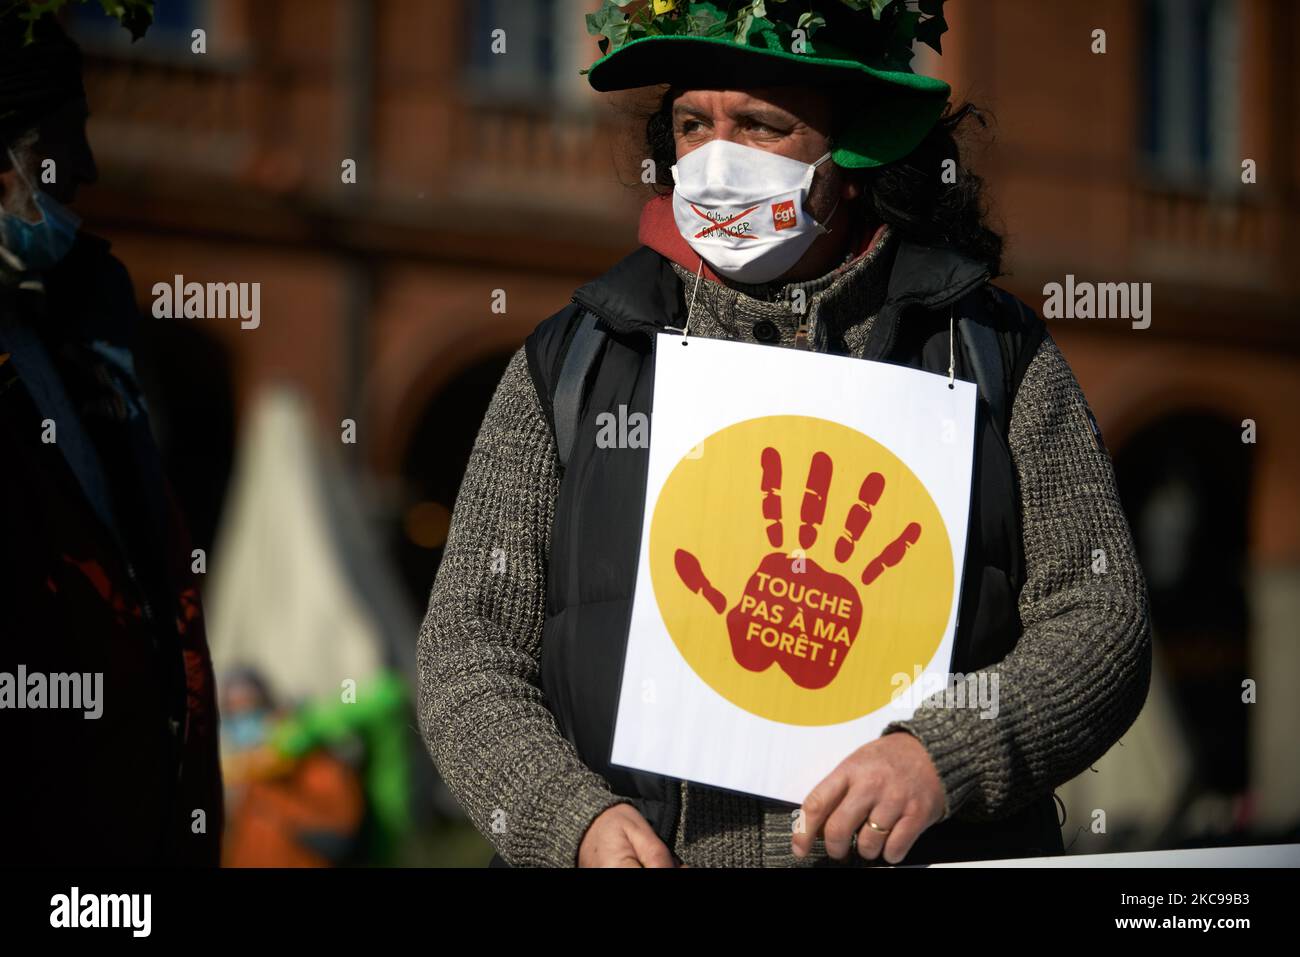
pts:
[308, 817]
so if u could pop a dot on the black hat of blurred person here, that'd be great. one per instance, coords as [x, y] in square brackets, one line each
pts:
[36, 77]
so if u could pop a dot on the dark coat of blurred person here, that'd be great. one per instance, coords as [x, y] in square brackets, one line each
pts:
[95, 566]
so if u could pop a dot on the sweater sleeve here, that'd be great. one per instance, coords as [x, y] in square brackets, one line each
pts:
[481, 709]
[1078, 676]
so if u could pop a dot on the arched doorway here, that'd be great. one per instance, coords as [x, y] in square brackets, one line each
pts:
[1185, 481]
[433, 466]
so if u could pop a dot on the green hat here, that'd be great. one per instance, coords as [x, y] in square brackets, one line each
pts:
[851, 45]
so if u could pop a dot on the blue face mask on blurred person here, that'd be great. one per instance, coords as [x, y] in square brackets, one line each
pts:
[42, 244]
[246, 730]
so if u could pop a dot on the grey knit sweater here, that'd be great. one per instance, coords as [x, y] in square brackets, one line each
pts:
[1074, 683]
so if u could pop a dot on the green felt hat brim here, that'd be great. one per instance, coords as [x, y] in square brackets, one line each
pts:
[896, 111]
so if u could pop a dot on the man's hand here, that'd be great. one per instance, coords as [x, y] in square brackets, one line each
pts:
[890, 782]
[621, 837]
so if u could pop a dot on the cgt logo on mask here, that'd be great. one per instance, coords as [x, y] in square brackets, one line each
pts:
[784, 215]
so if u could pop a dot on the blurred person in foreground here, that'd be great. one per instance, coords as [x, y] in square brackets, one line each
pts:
[520, 669]
[96, 587]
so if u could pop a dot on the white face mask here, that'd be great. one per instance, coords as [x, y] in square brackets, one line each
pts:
[742, 209]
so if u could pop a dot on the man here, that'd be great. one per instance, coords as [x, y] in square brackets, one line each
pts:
[520, 667]
[107, 718]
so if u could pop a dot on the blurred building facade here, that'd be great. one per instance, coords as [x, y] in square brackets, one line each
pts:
[488, 186]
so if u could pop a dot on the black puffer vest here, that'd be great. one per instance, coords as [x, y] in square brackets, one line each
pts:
[596, 535]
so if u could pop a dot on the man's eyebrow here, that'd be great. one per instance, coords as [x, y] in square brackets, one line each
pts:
[681, 109]
[768, 115]
[765, 114]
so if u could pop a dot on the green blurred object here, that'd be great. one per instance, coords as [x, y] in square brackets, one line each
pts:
[377, 718]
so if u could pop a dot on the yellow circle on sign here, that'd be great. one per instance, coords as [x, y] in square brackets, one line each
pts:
[759, 544]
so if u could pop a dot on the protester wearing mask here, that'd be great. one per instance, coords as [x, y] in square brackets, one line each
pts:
[818, 202]
[95, 568]
[38, 244]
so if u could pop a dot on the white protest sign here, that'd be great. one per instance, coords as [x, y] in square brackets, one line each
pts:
[800, 566]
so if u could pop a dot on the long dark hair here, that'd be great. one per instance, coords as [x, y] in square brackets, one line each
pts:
[909, 194]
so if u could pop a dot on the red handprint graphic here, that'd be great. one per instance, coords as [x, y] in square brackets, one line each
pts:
[793, 611]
